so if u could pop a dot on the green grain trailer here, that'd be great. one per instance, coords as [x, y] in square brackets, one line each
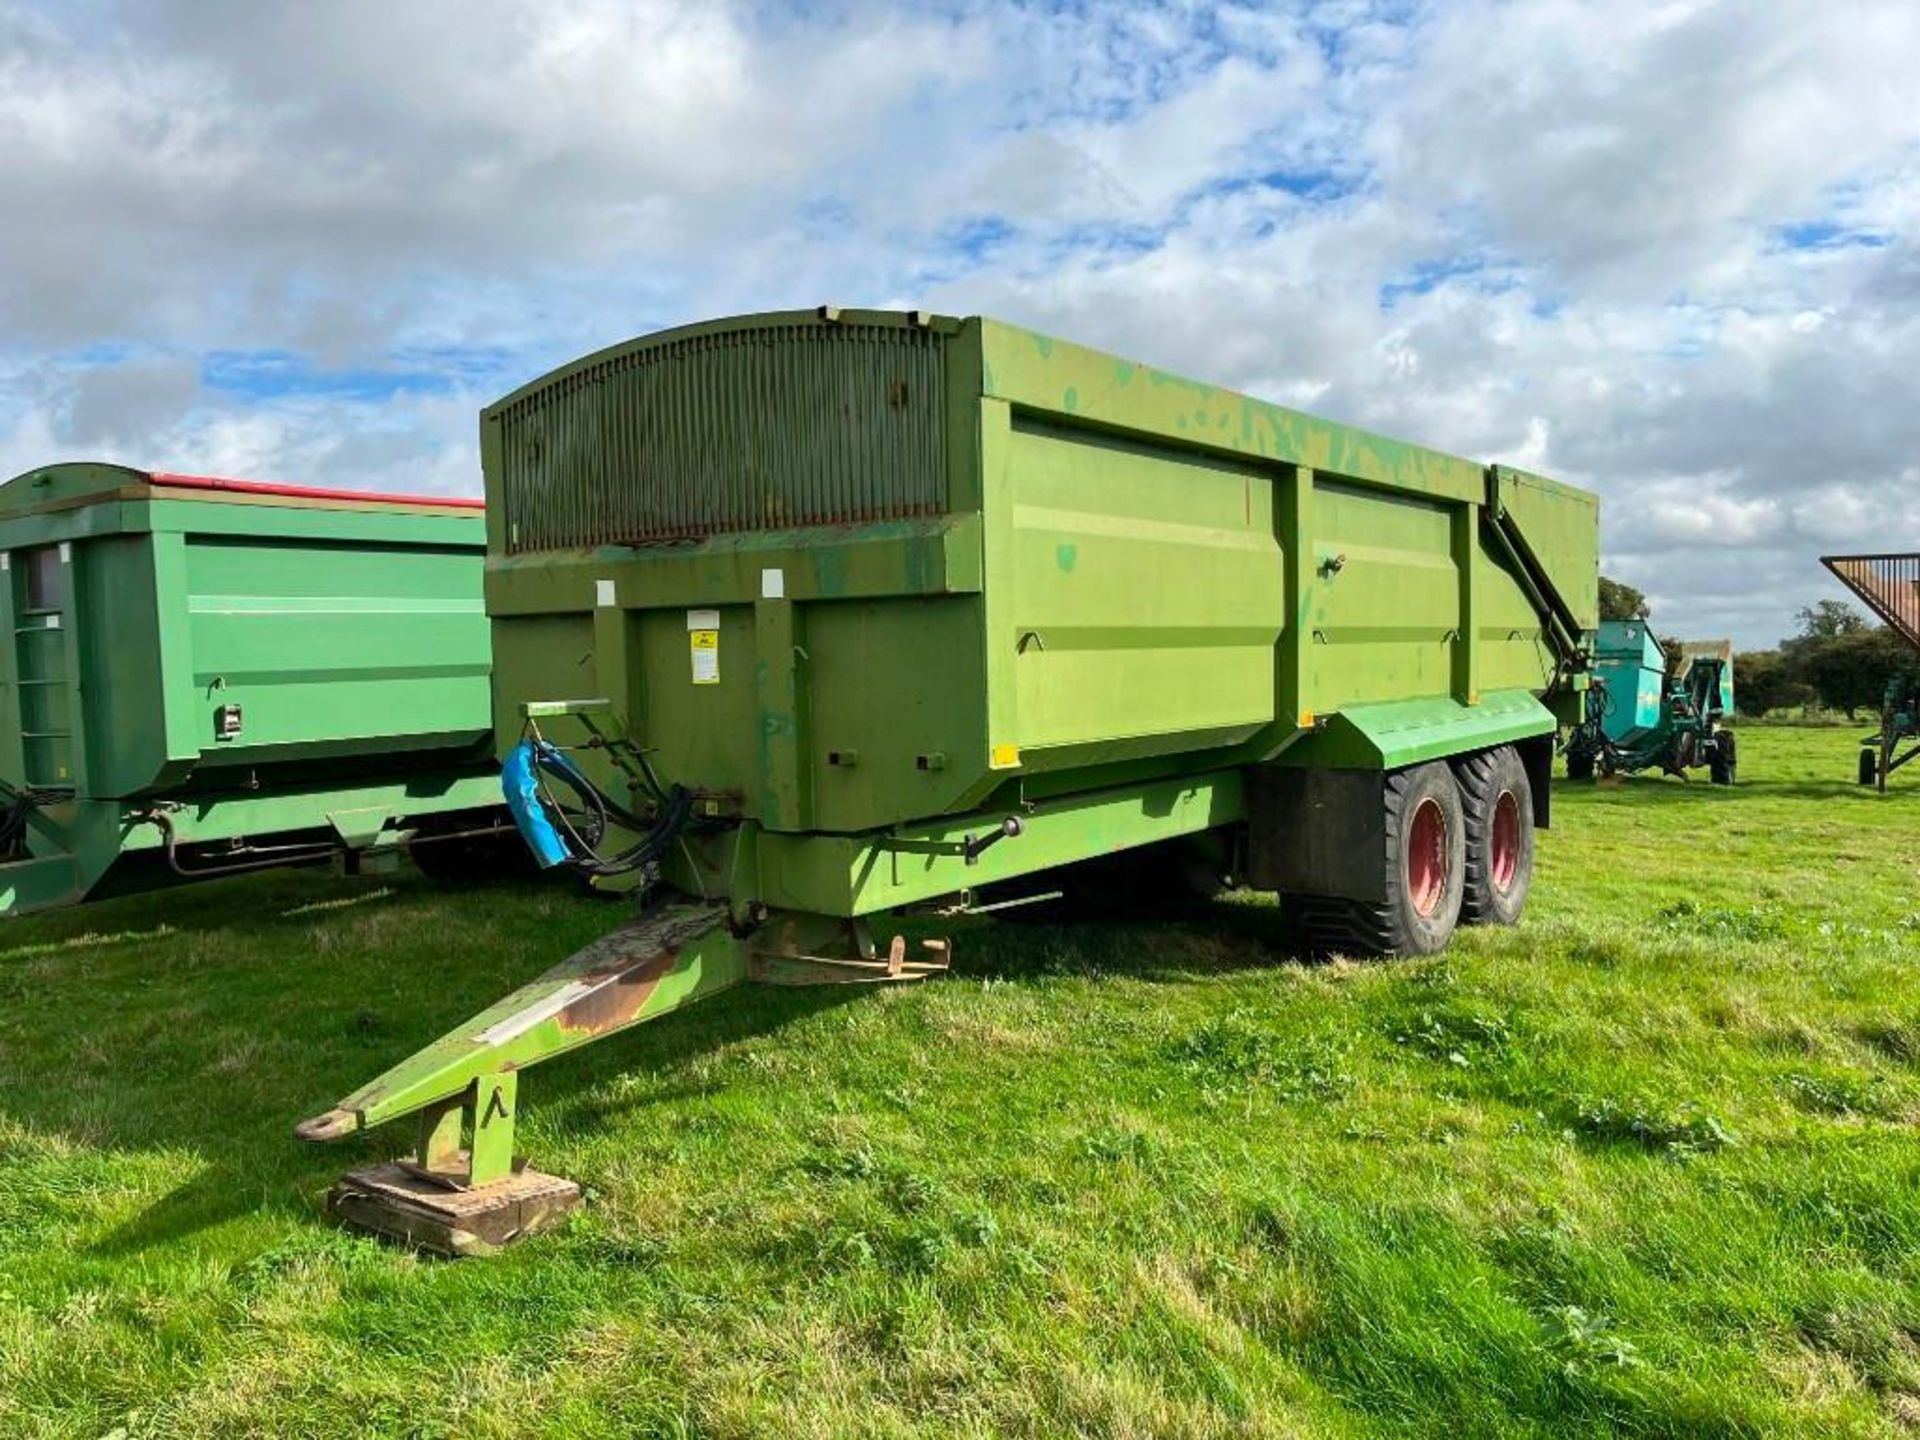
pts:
[803, 619]
[202, 676]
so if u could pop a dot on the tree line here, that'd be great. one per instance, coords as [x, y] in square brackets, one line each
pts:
[1839, 660]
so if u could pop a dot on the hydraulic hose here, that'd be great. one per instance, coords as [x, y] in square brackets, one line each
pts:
[535, 775]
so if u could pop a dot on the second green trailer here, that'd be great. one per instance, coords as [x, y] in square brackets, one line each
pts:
[202, 676]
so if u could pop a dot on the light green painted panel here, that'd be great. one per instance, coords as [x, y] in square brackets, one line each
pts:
[938, 556]
[1514, 653]
[1046, 376]
[704, 733]
[1146, 601]
[550, 657]
[875, 631]
[1561, 526]
[871, 689]
[1384, 620]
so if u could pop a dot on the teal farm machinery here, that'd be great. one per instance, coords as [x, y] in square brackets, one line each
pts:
[1890, 586]
[1645, 713]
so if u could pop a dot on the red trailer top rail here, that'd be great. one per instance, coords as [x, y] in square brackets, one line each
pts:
[308, 492]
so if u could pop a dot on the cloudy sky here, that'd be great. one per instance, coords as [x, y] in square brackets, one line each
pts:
[1665, 248]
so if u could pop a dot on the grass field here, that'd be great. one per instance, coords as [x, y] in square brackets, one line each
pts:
[1646, 1164]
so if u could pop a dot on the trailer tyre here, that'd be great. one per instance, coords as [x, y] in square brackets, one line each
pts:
[1869, 768]
[1497, 801]
[1579, 765]
[1425, 876]
[1722, 762]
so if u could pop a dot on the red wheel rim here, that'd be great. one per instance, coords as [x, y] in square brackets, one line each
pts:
[1427, 857]
[1506, 841]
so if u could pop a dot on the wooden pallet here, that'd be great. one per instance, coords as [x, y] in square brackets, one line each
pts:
[400, 1201]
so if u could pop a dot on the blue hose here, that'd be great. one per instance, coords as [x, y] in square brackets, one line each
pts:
[520, 780]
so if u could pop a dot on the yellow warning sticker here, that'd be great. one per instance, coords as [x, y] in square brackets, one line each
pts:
[1004, 757]
[705, 648]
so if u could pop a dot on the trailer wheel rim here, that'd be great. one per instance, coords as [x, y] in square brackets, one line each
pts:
[1427, 857]
[1506, 841]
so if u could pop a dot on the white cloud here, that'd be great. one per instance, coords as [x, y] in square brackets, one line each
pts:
[1662, 247]
[1689, 514]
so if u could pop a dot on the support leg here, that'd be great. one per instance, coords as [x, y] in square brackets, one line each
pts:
[463, 1192]
[438, 1152]
[483, 1111]
[491, 1157]
[459, 1198]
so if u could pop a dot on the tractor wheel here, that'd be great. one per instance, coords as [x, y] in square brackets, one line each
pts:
[1869, 768]
[1497, 801]
[1425, 875]
[1722, 764]
[1579, 765]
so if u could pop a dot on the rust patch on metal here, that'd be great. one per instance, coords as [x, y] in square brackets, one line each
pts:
[620, 995]
[618, 973]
